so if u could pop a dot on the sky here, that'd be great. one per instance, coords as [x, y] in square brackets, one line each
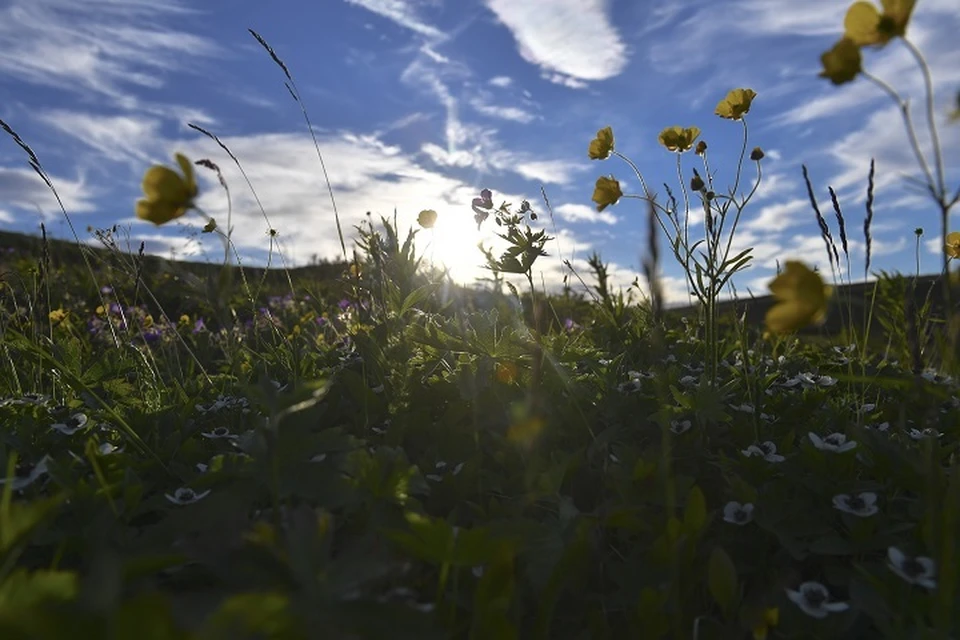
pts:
[420, 104]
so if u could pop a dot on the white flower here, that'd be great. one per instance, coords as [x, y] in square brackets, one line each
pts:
[106, 449]
[457, 469]
[434, 477]
[71, 425]
[629, 387]
[883, 426]
[26, 474]
[320, 457]
[915, 570]
[766, 450]
[826, 381]
[202, 468]
[920, 434]
[867, 408]
[863, 505]
[836, 442]
[680, 426]
[220, 433]
[736, 513]
[377, 389]
[812, 598]
[743, 408]
[183, 496]
[614, 459]
[688, 381]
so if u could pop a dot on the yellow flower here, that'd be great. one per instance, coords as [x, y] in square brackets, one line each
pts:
[168, 195]
[802, 299]
[679, 139]
[607, 192]
[736, 104]
[866, 26]
[57, 316]
[771, 618]
[842, 63]
[602, 145]
[427, 218]
[952, 246]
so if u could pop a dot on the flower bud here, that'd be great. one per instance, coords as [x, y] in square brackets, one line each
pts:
[756, 154]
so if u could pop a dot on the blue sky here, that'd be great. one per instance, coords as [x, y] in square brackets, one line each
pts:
[421, 103]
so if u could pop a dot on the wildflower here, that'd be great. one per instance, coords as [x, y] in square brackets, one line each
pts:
[601, 145]
[770, 618]
[836, 442]
[606, 192]
[71, 425]
[427, 218]
[812, 598]
[481, 206]
[744, 408]
[883, 426]
[801, 299]
[736, 104]
[736, 513]
[863, 505]
[766, 450]
[700, 150]
[679, 139]
[679, 427]
[320, 457]
[757, 154]
[842, 63]
[106, 449]
[183, 496]
[168, 195]
[952, 245]
[920, 434]
[915, 570]
[25, 474]
[865, 26]
[220, 433]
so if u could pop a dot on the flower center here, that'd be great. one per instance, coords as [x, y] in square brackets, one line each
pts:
[814, 597]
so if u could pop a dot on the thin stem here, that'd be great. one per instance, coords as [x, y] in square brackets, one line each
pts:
[904, 107]
[931, 117]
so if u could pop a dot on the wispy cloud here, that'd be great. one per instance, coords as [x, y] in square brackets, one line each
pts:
[60, 44]
[583, 213]
[567, 39]
[404, 13]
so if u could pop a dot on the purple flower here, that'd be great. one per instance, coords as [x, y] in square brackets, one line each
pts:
[344, 304]
[106, 290]
[114, 308]
[151, 335]
[199, 326]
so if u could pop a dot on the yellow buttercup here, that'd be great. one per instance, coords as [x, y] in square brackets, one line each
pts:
[802, 299]
[167, 194]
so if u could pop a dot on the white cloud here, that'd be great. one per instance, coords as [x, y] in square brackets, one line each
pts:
[23, 189]
[501, 81]
[583, 213]
[118, 138]
[548, 171]
[101, 47]
[572, 38]
[403, 13]
[514, 114]
[779, 216]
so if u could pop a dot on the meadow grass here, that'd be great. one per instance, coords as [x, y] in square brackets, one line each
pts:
[366, 450]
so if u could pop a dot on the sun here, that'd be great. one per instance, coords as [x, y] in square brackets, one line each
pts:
[452, 244]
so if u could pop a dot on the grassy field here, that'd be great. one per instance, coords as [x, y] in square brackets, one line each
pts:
[364, 450]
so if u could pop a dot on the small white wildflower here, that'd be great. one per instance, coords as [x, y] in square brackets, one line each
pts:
[863, 505]
[868, 407]
[744, 408]
[629, 387]
[736, 513]
[914, 569]
[106, 449]
[812, 598]
[457, 469]
[680, 426]
[836, 442]
[25, 474]
[183, 496]
[220, 433]
[377, 389]
[883, 426]
[71, 425]
[320, 457]
[440, 465]
[920, 434]
[826, 381]
[201, 467]
[688, 381]
[766, 450]
[670, 358]
[434, 477]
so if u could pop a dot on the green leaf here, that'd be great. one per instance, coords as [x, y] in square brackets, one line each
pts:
[722, 579]
[695, 513]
